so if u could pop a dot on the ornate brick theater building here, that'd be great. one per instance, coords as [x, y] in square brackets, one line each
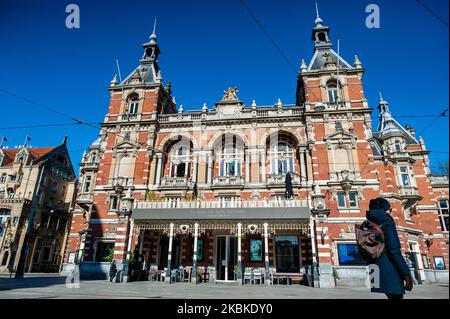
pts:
[242, 193]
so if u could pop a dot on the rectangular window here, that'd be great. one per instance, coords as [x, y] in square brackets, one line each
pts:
[443, 214]
[256, 250]
[341, 200]
[200, 249]
[352, 200]
[347, 200]
[87, 184]
[104, 252]
[46, 253]
[425, 262]
[114, 203]
[404, 175]
[287, 254]
[349, 255]
[439, 263]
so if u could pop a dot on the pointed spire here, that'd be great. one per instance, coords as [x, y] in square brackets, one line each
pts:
[253, 104]
[383, 105]
[114, 81]
[204, 107]
[180, 110]
[153, 35]
[357, 63]
[319, 21]
[303, 67]
[279, 104]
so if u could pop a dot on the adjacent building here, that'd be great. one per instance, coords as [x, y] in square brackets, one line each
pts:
[277, 188]
[36, 194]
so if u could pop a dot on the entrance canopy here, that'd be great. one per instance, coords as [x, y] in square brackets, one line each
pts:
[262, 213]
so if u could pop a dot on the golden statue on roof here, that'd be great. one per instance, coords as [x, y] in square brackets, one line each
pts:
[230, 94]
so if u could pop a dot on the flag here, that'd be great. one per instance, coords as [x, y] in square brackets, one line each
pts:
[4, 139]
[28, 138]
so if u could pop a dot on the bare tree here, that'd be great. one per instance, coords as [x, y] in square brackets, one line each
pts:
[441, 168]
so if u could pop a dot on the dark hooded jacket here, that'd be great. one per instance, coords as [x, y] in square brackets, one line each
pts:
[392, 265]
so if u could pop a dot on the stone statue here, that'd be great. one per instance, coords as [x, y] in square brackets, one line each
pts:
[230, 94]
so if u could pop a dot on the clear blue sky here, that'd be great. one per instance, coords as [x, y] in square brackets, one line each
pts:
[206, 47]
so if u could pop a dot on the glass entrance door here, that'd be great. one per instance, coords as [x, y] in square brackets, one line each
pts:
[226, 257]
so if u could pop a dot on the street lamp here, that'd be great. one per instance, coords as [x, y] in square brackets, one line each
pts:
[126, 205]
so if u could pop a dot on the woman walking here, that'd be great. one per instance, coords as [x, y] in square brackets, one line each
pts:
[112, 271]
[394, 273]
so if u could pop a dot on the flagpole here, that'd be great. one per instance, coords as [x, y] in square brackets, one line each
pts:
[27, 138]
[337, 67]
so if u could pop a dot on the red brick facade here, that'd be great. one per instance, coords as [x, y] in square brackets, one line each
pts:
[326, 141]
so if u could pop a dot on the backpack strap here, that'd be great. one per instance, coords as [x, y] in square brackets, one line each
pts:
[378, 228]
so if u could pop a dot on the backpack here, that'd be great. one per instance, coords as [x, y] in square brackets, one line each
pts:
[370, 241]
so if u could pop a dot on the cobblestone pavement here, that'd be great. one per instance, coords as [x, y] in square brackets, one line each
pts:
[53, 286]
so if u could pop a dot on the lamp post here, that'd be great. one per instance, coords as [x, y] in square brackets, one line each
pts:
[429, 243]
[123, 214]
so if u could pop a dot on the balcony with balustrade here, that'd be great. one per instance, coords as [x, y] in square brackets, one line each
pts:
[174, 182]
[228, 182]
[280, 180]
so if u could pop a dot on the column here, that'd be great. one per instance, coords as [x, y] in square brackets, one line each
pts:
[169, 255]
[314, 268]
[263, 166]
[159, 158]
[210, 168]
[141, 247]
[303, 177]
[194, 257]
[247, 167]
[266, 255]
[239, 254]
[195, 163]
[120, 249]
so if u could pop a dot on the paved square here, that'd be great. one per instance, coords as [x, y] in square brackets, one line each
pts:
[53, 286]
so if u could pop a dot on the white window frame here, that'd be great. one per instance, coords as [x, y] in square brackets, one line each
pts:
[442, 214]
[347, 200]
[85, 182]
[333, 94]
[176, 159]
[285, 157]
[230, 155]
[408, 174]
[133, 105]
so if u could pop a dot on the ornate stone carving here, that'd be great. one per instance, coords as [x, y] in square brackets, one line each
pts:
[230, 95]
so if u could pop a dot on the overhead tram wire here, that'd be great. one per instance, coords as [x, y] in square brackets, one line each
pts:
[77, 121]
[432, 12]
[442, 114]
[277, 47]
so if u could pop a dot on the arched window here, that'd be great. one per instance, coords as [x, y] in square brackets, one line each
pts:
[133, 104]
[333, 94]
[3, 179]
[322, 37]
[281, 159]
[230, 160]
[180, 162]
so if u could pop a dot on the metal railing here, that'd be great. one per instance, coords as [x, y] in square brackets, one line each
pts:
[220, 204]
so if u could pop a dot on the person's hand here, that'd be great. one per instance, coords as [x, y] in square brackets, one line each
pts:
[408, 283]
